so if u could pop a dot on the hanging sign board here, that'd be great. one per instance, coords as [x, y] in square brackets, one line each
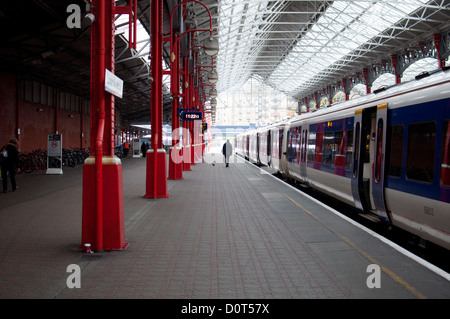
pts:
[113, 84]
[54, 154]
[191, 115]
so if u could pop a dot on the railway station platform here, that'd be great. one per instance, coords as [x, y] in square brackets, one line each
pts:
[224, 233]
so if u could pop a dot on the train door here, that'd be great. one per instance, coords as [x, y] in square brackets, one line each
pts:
[303, 148]
[258, 140]
[363, 158]
[283, 145]
[269, 147]
[379, 163]
[246, 147]
[369, 140]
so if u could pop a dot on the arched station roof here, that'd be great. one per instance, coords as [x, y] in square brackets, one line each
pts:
[297, 47]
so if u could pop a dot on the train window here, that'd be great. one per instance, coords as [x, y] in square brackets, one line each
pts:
[328, 148]
[274, 147]
[420, 152]
[311, 146]
[355, 154]
[303, 155]
[280, 142]
[445, 155]
[293, 144]
[319, 147]
[339, 149]
[349, 151]
[396, 151]
[379, 150]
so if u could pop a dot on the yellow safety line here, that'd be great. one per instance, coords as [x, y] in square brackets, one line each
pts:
[388, 272]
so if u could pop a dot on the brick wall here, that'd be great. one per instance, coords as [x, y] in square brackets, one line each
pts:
[37, 121]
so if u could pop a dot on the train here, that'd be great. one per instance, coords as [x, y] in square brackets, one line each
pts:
[387, 154]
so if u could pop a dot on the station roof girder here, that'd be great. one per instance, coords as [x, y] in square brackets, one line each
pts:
[294, 46]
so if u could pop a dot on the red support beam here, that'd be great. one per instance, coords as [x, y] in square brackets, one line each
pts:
[156, 176]
[103, 220]
[18, 110]
[366, 80]
[394, 65]
[186, 137]
[176, 156]
[437, 45]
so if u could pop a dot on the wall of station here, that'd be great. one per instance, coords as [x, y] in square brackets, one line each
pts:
[37, 120]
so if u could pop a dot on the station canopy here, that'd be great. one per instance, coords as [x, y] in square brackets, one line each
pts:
[300, 46]
[295, 47]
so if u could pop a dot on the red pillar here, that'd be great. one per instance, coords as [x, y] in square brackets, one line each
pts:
[191, 123]
[437, 44]
[394, 65]
[344, 86]
[176, 151]
[366, 80]
[186, 137]
[81, 126]
[103, 221]
[156, 180]
[18, 110]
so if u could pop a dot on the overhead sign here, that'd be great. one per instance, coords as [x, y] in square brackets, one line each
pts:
[191, 115]
[113, 84]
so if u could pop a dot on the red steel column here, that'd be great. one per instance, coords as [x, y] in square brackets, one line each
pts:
[102, 222]
[344, 86]
[18, 110]
[156, 180]
[366, 80]
[81, 125]
[437, 45]
[186, 137]
[191, 123]
[176, 156]
[394, 65]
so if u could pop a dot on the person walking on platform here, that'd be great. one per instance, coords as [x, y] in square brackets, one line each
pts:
[144, 149]
[227, 150]
[9, 161]
[126, 148]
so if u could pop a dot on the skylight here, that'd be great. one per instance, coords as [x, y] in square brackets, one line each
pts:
[345, 26]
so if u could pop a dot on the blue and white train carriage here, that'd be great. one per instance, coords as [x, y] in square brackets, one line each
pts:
[387, 154]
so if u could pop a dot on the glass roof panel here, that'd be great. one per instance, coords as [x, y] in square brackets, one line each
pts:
[327, 44]
[344, 27]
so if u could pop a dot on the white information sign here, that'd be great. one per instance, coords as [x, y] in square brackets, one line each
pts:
[54, 154]
[113, 84]
[136, 147]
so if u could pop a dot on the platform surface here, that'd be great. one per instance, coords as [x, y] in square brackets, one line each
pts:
[233, 233]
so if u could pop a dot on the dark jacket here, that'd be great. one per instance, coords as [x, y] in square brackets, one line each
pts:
[143, 148]
[227, 149]
[12, 160]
